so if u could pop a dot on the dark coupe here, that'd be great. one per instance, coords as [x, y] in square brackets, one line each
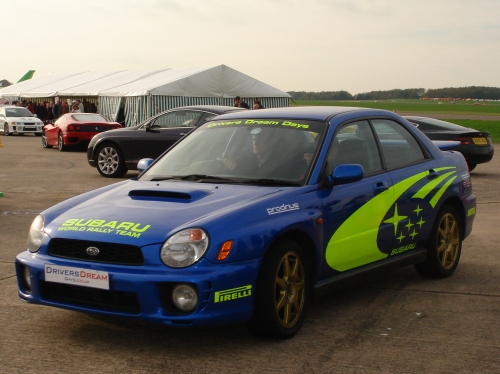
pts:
[475, 145]
[115, 152]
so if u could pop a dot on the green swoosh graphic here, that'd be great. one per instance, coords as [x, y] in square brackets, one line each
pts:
[424, 191]
[355, 241]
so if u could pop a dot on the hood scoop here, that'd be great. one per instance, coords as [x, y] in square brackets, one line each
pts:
[184, 196]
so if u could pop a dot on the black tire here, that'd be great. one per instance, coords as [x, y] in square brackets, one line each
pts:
[110, 163]
[471, 166]
[6, 130]
[44, 141]
[444, 246]
[60, 143]
[282, 292]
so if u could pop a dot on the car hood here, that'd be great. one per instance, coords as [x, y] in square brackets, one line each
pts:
[143, 213]
[23, 119]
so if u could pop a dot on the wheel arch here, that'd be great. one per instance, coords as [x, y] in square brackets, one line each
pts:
[456, 204]
[104, 142]
[310, 251]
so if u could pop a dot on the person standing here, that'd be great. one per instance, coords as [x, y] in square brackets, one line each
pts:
[56, 109]
[240, 103]
[41, 111]
[257, 105]
[80, 106]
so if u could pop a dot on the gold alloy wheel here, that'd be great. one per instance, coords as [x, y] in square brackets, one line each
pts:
[448, 238]
[289, 289]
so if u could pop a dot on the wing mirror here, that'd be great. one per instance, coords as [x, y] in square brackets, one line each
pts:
[344, 174]
[144, 163]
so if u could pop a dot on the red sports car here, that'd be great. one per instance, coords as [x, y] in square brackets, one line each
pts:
[75, 130]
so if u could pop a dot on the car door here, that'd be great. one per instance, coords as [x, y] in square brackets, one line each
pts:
[416, 181]
[52, 131]
[354, 234]
[2, 118]
[161, 132]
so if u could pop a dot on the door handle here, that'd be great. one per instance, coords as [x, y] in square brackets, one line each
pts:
[380, 187]
[432, 175]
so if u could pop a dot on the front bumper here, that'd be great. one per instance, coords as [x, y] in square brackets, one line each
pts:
[28, 129]
[143, 292]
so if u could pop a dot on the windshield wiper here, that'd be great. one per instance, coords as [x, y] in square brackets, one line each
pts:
[270, 182]
[196, 177]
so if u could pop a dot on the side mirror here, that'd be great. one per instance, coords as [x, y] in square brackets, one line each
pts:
[144, 163]
[344, 174]
[148, 127]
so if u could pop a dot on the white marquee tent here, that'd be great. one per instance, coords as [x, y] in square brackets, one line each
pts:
[142, 94]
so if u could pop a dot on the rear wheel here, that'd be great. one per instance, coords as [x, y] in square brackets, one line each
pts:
[444, 247]
[6, 130]
[282, 292]
[60, 143]
[110, 163]
[44, 141]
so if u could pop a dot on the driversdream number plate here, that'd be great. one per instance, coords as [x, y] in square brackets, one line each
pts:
[480, 141]
[77, 276]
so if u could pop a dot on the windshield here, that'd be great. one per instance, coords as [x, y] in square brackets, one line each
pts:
[88, 118]
[273, 151]
[18, 112]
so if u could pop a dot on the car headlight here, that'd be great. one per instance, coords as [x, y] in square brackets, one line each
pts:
[36, 234]
[184, 248]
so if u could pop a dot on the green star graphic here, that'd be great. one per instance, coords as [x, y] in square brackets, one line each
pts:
[413, 234]
[395, 219]
[421, 222]
[418, 210]
[409, 225]
[401, 237]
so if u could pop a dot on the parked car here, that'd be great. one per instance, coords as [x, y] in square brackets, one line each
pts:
[475, 145]
[113, 154]
[73, 130]
[19, 120]
[252, 215]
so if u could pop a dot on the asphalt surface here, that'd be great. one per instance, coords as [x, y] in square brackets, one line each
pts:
[400, 322]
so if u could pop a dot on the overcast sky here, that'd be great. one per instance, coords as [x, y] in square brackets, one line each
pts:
[293, 45]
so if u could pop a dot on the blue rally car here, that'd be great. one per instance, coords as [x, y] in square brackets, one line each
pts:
[250, 216]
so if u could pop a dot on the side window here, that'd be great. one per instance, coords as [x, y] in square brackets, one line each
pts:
[59, 121]
[355, 144]
[398, 144]
[180, 118]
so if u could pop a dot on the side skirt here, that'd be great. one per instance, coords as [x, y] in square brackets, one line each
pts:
[356, 275]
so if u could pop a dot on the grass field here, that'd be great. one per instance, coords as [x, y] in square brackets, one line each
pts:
[493, 127]
[460, 107]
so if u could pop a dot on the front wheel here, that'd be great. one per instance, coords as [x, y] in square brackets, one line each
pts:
[110, 162]
[444, 247]
[282, 292]
[6, 130]
[45, 143]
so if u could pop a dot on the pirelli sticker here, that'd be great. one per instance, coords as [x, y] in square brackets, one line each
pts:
[233, 294]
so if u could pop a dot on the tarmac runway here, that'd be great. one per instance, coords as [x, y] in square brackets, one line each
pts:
[399, 322]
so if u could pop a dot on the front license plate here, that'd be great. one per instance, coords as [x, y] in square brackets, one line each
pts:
[77, 276]
[481, 141]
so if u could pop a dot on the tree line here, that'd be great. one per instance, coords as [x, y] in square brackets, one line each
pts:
[472, 92]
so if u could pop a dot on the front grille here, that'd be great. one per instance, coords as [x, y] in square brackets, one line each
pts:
[110, 253]
[113, 301]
